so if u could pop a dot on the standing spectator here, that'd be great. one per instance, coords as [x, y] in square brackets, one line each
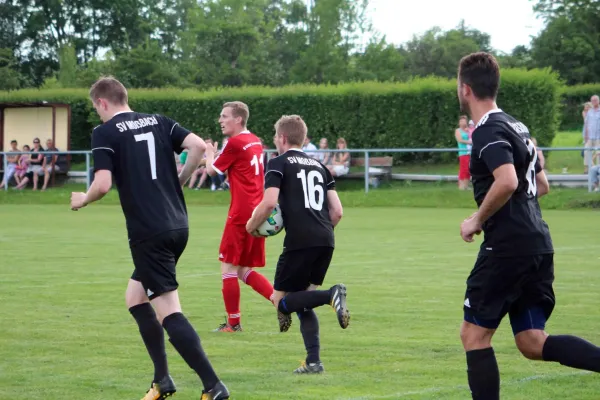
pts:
[341, 160]
[309, 148]
[591, 130]
[37, 162]
[324, 157]
[53, 162]
[11, 164]
[464, 153]
[22, 168]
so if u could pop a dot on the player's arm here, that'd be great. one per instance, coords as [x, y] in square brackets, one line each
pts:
[505, 184]
[221, 163]
[336, 211]
[102, 152]
[273, 181]
[196, 148]
[263, 210]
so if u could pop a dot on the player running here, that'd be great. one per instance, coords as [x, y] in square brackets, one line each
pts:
[514, 271]
[311, 209]
[137, 149]
[242, 159]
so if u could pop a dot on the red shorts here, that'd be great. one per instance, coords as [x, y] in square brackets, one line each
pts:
[240, 248]
[463, 169]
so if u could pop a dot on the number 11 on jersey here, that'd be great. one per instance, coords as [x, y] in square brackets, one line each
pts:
[254, 163]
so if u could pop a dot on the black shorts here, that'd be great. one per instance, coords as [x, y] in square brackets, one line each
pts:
[298, 269]
[155, 260]
[513, 285]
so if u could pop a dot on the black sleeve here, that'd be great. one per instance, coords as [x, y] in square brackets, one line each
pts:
[102, 150]
[274, 175]
[178, 134]
[329, 181]
[538, 166]
[493, 148]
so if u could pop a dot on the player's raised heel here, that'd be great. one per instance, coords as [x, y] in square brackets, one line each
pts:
[338, 302]
[285, 321]
[310, 368]
[219, 392]
[161, 389]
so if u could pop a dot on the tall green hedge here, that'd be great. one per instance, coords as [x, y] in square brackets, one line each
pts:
[419, 113]
[573, 99]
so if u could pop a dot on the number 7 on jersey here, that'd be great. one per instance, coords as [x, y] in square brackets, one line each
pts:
[149, 138]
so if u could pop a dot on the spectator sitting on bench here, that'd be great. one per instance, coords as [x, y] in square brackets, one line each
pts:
[53, 162]
[37, 162]
[309, 148]
[340, 165]
[12, 164]
[324, 157]
[200, 172]
[21, 175]
[595, 172]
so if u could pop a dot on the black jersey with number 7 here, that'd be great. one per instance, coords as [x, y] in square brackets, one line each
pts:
[138, 150]
[517, 228]
[303, 183]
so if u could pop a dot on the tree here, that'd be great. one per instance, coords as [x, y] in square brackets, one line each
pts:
[380, 62]
[11, 78]
[67, 74]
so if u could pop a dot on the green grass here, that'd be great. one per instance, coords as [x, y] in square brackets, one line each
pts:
[66, 333]
[396, 194]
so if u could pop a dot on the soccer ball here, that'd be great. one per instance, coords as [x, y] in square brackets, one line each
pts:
[273, 225]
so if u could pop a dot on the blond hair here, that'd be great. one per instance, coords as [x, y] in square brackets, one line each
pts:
[293, 128]
[239, 110]
[109, 88]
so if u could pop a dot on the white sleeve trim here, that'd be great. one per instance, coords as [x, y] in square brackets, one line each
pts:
[103, 148]
[274, 170]
[217, 170]
[489, 144]
[174, 125]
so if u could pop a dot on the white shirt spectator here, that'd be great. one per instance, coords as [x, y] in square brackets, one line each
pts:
[309, 149]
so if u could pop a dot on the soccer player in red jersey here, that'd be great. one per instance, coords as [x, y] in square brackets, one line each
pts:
[240, 252]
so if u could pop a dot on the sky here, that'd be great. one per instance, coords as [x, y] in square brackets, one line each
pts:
[509, 22]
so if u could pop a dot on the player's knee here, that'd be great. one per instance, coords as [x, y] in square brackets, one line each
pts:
[475, 337]
[135, 294]
[227, 268]
[531, 343]
[242, 271]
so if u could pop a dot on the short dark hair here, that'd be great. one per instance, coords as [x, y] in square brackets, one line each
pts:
[480, 71]
[13, 141]
[111, 89]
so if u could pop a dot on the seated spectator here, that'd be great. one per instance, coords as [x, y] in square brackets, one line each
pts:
[11, 164]
[594, 172]
[37, 162]
[325, 156]
[53, 163]
[200, 172]
[540, 154]
[308, 147]
[340, 165]
[21, 175]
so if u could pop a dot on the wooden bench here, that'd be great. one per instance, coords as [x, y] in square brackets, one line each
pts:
[379, 167]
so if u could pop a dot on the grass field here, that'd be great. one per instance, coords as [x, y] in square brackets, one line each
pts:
[65, 332]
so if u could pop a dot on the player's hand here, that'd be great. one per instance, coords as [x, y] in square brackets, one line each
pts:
[212, 147]
[77, 200]
[470, 226]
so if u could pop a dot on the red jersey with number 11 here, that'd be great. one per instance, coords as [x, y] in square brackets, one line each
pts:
[242, 159]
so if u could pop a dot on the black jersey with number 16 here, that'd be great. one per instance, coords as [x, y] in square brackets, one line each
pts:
[303, 183]
[138, 150]
[516, 229]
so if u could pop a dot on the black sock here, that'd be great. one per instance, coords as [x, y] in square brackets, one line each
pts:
[484, 377]
[309, 327]
[153, 336]
[187, 343]
[305, 300]
[572, 351]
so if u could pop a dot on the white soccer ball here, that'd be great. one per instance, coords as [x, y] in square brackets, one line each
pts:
[273, 225]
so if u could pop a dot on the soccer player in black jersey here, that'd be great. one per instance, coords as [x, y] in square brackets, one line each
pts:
[311, 209]
[514, 271]
[137, 150]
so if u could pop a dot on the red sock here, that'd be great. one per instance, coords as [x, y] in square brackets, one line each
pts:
[231, 297]
[260, 284]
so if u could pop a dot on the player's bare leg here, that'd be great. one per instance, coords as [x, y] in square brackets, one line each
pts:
[152, 334]
[187, 343]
